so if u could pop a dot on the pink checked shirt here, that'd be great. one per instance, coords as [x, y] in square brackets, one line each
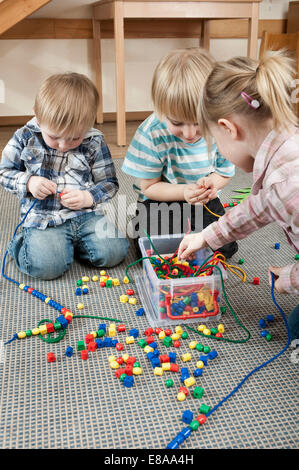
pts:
[275, 197]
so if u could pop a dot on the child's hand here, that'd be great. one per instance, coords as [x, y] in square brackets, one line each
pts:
[76, 199]
[192, 194]
[190, 244]
[209, 190]
[277, 283]
[41, 187]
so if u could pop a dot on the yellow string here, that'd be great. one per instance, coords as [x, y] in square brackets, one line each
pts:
[213, 213]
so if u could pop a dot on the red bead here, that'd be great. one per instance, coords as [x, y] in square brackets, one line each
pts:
[150, 339]
[51, 357]
[89, 338]
[225, 204]
[120, 360]
[92, 346]
[164, 358]
[50, 327]
[119, 372]
[128, 370]
[131, 360]
[119, 346]
[30, 289]
[201, 419]
[184, 390]
[174, 367]
[167, 332]
[235, 204]
[130, 292]
[176, 343]
[84, 354]
[68, 318]
[256, 280]
[158, 330]
[64, 310]
[149, 332]
[218, 335]
[103, 284]
[121, 328]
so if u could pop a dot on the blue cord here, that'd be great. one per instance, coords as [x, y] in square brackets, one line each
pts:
[174, 444]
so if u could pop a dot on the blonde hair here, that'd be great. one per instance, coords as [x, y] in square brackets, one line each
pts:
[269, 81]
[67, 103]
[177, 81]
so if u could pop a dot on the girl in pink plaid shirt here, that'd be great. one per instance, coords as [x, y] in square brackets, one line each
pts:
[247, 107]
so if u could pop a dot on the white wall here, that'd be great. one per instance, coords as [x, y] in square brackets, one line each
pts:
[25, 64]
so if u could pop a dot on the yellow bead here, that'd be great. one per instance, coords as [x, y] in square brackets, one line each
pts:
[201, 327]
[221, 328]
[175, 336]
[206, 332]
[114, 365]
[21, 286]
[125, 357]
[162, 335]
[186, 357]
[158, 371]
[111, 332]
[111, 358]
[193, 344]
[126, 280]
[85, 278]
[102, 279]
[199, 364]
[181, 396]
[130, 339]
[35, 331]
[115, 282]
[102, 273]
[186, 313]
[80, 306]
[137, 370]
[94, 334]
[47, 300]
[22, 334]
[148, 349]
[189, 382]
[95, 278]
[132, 301]
[178, 330]
[195, 309]
[166, 366]
[124, 298]
[185, 263]
[43, 330]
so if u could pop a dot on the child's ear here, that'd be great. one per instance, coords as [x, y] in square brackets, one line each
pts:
[229, 127]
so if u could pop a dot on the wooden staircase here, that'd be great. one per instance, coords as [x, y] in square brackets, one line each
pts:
[13, 11]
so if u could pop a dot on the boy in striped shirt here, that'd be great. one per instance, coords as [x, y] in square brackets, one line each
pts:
[175, 173]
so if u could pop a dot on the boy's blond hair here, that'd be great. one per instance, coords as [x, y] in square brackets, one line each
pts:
[269, 81]
[177, 81]
[67, 103]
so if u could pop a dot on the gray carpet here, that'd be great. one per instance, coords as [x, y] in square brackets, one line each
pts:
[81, 404]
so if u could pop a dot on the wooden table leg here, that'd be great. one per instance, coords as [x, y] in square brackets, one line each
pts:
[205, 34]
[98, 66]
[253, 32]
[120, 72]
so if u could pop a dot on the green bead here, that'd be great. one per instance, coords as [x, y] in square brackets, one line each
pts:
[198, 392]
[207, 349]
[204, 408]
[122, 377]
[79, 282]
[296, 257]
[169, 383]
[241, 261]
[109, 283]
[136, 364]
[142, 343]
[80, 345]
[231, 204]
[57, 325]
[214, 331]
[194, 425]
[187, 300]
[185, 335]
[199, 347]
[223, 310]
[100, 333]
[162, 310]
[167, 341]
[268, 337]
[28, 333]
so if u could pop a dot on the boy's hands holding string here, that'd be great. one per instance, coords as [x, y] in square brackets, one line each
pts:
[201, 192]
[76, 199]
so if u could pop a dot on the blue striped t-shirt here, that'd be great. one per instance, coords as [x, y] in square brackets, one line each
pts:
[155, 152]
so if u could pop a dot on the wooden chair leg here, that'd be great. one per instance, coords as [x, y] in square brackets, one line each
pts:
[98, 66]
[205, 35]
[120, 73]
[253, 23]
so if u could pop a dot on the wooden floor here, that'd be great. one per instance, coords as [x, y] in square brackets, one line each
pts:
[108, 129]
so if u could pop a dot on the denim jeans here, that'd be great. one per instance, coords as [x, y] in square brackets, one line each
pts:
[47, 254]
[293, 322]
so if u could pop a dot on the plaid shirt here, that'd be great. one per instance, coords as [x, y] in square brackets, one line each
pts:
[87, 167]
[275, 197]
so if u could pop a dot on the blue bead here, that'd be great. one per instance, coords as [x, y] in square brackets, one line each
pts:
[107, 342]
[134, 332]
[69, 351]
[197, 372]
[114, 342]
[100, 343]
[153, 345]
[212, 354]
[262, 323]
[204, 359]
[186, 432]
[150, 355]
[26, 288]
[264, 333]
[187, 416]
[102, 326]
[172, 357]
[78, 291]
[140, 312]
[85, 290]
[277, 246]
[128, 381]
[173, 444]
[64, 323]
[270, 318]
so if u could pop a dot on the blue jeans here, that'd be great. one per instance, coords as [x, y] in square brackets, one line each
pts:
[293, 321]
[47, 254]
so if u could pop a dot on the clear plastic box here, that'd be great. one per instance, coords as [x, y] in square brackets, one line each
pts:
[160, 297]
